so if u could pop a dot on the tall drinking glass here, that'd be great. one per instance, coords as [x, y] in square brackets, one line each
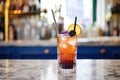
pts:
[67, 50]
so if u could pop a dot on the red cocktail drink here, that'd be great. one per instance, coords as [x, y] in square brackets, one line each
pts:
[67, 47]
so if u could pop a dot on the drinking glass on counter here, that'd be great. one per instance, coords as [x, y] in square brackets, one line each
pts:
[67, 47]
[67, 50]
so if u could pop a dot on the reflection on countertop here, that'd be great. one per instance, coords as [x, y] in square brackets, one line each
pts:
[47, 70]
[105, 41]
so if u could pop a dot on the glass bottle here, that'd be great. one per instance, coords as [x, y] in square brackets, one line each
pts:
[107, 29]
[1, 5]
[53, 33]
[12, 33]
[44, 29]
[61, 24]
[32, 6]
[25, 6]
[1, 29]
[115, 25]
[17, 5]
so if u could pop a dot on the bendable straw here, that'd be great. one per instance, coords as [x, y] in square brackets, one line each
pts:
[55, 21]
[75, 23]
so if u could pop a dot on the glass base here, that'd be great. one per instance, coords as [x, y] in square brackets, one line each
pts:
[67, 69]
[66, 76]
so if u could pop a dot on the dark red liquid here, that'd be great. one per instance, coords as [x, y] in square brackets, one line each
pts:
[67, 64]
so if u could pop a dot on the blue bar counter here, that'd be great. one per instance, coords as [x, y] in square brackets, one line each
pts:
[88, 48]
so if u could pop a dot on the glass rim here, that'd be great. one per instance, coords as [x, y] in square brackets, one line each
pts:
[67, 35]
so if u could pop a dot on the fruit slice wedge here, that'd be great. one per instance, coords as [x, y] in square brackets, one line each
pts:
[78, 29]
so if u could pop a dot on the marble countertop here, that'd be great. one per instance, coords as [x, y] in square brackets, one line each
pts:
[47, 70]
[105, 41]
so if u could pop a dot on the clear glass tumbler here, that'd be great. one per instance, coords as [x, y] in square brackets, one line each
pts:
[67, 50]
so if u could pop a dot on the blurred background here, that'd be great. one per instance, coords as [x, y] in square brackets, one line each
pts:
[28, 22]
[32, 19]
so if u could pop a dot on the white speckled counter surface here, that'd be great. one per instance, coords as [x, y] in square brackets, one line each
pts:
[47, 70]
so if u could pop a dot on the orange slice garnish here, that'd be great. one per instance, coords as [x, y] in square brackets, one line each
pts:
[78, 29]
